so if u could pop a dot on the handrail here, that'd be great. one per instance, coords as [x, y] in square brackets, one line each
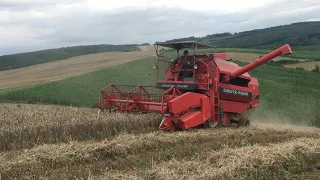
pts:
[207, 73]
[218, 77]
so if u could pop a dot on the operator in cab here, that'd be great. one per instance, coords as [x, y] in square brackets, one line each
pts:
[180, 59]
[185, 53]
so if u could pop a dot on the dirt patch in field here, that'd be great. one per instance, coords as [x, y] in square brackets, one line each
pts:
[305, 65]
[75, 66]
[248, 57]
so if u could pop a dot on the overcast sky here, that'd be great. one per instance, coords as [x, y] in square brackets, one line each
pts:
[28, 25]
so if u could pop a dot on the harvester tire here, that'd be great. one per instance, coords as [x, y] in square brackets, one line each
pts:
[211, 124]
[244, 122]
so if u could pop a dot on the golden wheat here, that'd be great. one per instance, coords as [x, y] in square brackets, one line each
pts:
[228, 162]
[126, 149]
[24, 126]
[51, 142]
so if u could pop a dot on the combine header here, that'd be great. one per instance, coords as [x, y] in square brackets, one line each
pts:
[198, 90]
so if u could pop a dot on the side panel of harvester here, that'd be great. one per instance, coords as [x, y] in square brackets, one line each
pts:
[233, 91]
[238, 91]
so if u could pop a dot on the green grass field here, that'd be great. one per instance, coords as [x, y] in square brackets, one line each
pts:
[83, 90]
[306, 52]
[286, 94]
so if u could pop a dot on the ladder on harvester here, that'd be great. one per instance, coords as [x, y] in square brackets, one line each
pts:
[216, 97]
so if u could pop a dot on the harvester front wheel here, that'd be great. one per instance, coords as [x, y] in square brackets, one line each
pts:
[211, 124]
[244, 122]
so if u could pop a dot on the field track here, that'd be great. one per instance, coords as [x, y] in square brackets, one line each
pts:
[58, 142]
[249, 57]
[305, 65]
[57, 70]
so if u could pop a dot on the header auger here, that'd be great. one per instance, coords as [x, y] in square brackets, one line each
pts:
[198, 90]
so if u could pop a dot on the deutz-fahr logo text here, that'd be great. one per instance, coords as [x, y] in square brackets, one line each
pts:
[179, 86]
[234, 92]
[174, 85]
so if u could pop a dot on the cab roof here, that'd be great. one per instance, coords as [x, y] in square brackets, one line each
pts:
[184, 44]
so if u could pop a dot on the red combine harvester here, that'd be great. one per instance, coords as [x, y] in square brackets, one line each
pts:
[198, 90]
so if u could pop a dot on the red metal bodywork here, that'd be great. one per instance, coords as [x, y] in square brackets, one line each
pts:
[196, 89]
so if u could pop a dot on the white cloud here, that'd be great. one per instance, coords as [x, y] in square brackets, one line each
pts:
[27, 25]
[208, 6]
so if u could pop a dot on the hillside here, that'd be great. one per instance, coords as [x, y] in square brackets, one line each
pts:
[296, 34]
[304, 37]
[52, 142]
[31, 58]
[70, 67]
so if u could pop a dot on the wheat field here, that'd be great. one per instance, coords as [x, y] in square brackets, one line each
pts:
[60, 142]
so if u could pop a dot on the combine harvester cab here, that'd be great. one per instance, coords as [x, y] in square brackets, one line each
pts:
[198, 90]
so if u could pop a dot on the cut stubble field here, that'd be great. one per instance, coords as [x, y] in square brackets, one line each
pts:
[74, 66]
[55, 142]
